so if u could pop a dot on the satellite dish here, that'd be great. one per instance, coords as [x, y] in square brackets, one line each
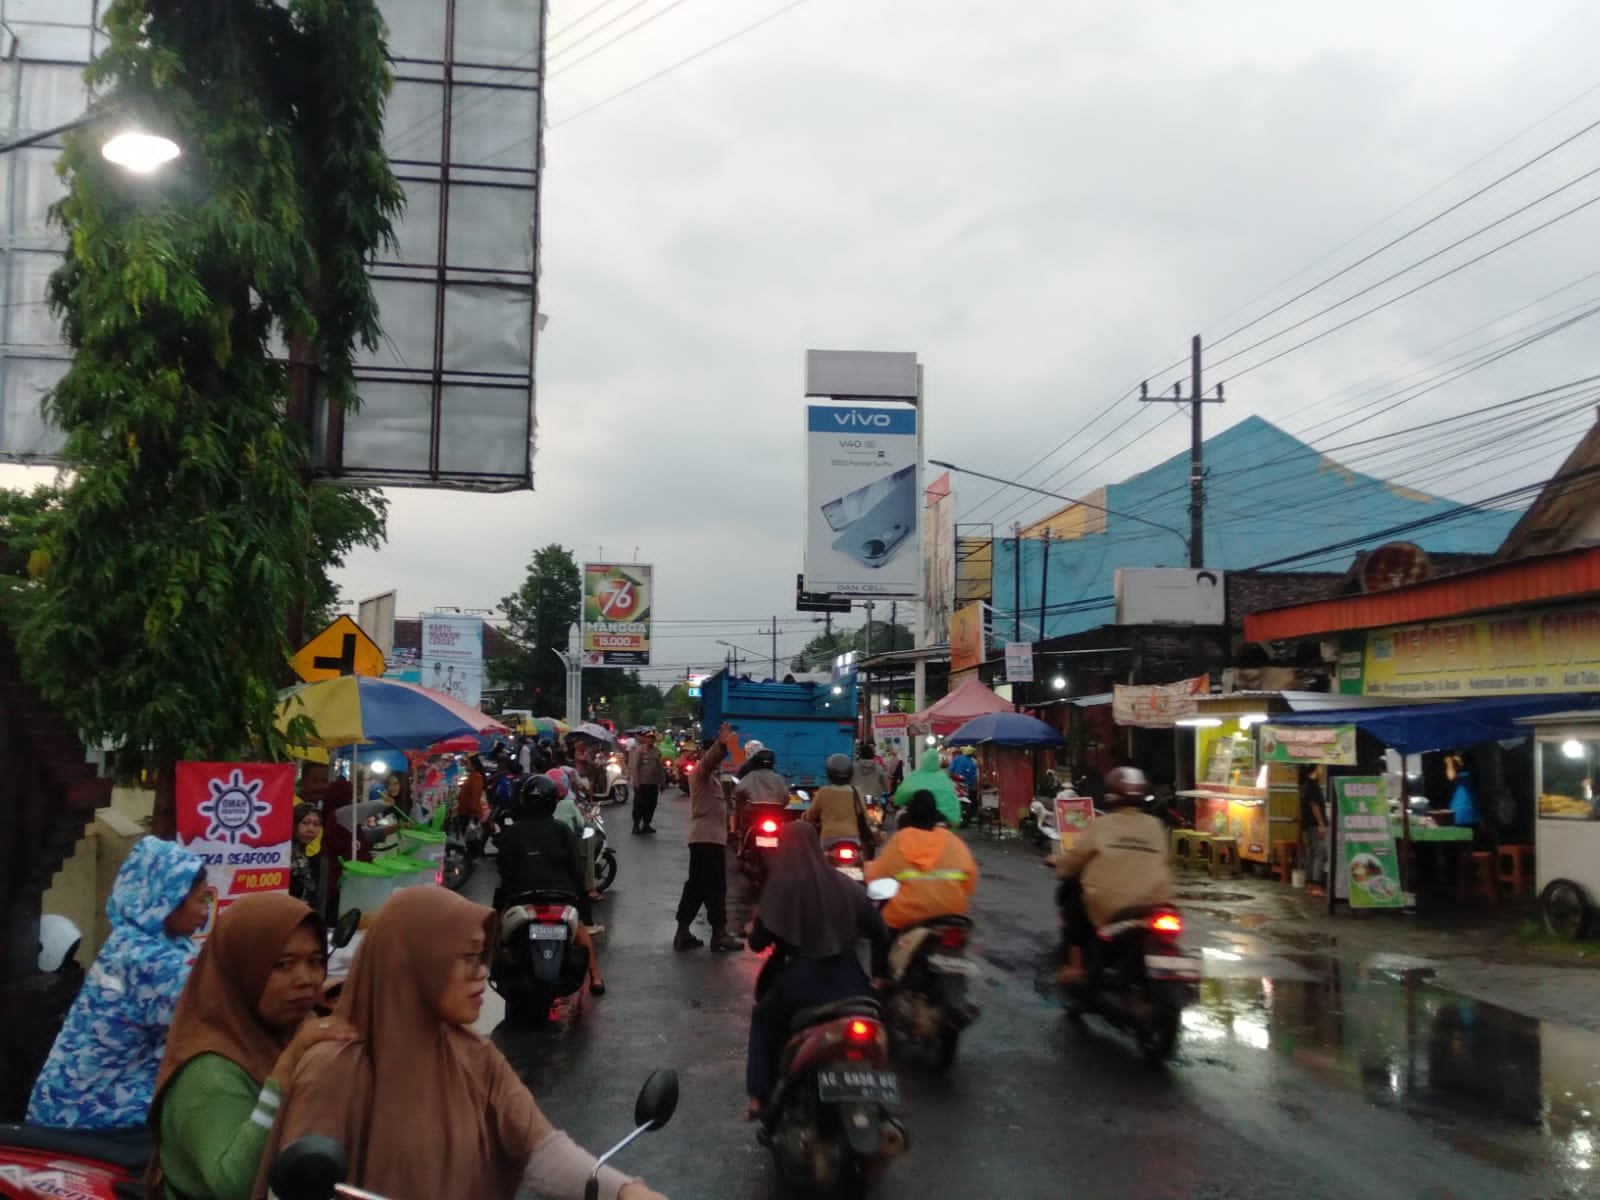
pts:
[1395, 564]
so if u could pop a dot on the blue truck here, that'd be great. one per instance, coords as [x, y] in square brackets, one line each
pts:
[801, 723]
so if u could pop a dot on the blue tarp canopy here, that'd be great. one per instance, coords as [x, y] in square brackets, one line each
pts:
[1448, 724]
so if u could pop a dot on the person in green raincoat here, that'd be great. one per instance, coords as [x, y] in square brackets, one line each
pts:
[929, 776]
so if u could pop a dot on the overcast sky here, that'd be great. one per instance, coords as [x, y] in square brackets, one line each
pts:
[1043, 199]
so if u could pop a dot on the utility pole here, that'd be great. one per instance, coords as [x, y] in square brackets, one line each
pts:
[867, 647]
[1016, 581]
[1197, 474]
[774, 634]
[1044, 583]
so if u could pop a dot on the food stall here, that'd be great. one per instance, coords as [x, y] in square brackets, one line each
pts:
[1567, 826]
[1235, 793]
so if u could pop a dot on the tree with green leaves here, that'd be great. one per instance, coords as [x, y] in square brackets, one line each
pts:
[168, 564]
[820, 651]
[538, 616]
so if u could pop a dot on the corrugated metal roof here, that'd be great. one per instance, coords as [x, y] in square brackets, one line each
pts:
[1549, 579]
[1268, 496]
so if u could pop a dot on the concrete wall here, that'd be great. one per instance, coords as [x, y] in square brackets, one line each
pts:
[80, 889]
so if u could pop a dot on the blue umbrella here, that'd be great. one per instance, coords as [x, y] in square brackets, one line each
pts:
[1005, 729]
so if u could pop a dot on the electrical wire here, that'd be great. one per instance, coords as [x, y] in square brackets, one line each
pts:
[682, 62]
[557, 34]
[623, 36]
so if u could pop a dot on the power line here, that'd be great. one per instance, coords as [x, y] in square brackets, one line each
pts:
[557, 34]
[682, 62]
[1415, 229]
[1406, 270]
[626, 33]
[1455, 270]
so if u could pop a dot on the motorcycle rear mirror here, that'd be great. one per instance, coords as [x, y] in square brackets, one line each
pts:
[309, 1168]
[345, 931]
[658, 1099]
[883, 889]
[587, 834]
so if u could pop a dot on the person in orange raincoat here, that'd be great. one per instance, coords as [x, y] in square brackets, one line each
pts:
[936, 871]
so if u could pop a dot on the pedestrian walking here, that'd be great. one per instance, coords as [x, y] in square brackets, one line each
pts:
[646, 773]
[1314, 828]
[707, 885]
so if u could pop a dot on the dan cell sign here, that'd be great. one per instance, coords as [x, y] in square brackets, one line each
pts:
[616, 615]
[239, 817]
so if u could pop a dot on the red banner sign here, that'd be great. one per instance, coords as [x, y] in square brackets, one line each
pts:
[240, 818]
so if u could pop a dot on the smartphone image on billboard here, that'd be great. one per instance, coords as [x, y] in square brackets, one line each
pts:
[876, 519]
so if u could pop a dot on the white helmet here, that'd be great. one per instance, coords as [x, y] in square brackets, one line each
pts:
[753, 748]
[58, 942]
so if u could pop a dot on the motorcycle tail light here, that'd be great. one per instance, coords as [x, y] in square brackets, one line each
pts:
[847, 853]
[1167, 922]
[438, 878]
[861, 1031]
[769, 826]
[550, 912]
[952, 937]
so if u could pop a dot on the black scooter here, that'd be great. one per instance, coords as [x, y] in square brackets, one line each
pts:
[1139, 978]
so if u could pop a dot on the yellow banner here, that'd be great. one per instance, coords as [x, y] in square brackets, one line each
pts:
[1554, 650]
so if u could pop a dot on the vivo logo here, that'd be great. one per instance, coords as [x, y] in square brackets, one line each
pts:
[870, 420]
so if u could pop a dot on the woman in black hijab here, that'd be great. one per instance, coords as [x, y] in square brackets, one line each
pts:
[813, 917]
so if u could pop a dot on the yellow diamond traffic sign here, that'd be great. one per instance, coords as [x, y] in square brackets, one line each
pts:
[343, 648]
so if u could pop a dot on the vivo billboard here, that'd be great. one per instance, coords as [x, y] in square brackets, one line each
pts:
[864, 496]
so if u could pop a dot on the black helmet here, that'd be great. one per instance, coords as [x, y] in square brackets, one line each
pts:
[763, 760]
[539, 796]
[839, 768]
[1126, 785]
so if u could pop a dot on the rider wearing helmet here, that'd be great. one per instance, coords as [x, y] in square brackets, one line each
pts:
[838, 811]
[540, 853]
[1118, 863]
[759, 783]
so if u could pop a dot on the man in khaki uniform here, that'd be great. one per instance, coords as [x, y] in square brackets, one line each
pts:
[1118, 863]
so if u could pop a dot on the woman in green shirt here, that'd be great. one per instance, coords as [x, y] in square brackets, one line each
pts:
[242, 1022]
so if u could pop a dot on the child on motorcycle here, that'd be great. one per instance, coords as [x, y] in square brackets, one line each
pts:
[1118, 863]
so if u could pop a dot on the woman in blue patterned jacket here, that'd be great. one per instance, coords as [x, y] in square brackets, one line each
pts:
[102, 1069]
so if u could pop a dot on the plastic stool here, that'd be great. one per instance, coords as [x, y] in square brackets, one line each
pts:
[1477, 876]
[1225, 856]
[1284, 856]
[1194, 846]
[1514, 867]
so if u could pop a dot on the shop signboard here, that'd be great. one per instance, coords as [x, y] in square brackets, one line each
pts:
[863, 511]
[1532, 652]
[616, 614]
[1073, 814]
[1329, 745]
[966, 637]
[1019, 662]
[239, 817]
[892, 731]
[452, 656]
[1368, 865]
[1157, 706]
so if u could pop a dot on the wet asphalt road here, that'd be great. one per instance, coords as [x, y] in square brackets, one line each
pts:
[1301, 1074]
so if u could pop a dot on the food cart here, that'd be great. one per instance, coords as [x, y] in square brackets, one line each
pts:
[1567, 826]
[1236, 794]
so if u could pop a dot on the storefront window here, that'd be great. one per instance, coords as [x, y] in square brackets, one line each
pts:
[1567, 773]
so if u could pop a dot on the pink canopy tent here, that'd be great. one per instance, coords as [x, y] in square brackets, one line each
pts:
[970, 699]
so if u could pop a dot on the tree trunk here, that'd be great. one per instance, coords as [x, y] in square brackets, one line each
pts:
[164, 820]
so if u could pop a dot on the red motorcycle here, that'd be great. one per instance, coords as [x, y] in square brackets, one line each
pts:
[37, 1162]
[830, 1123]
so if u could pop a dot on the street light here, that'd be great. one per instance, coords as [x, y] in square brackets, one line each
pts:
[1059, 683]
[133, 149]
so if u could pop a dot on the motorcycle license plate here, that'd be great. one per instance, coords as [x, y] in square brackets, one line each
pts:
[855, 873]
[548, 933]
[766, 843]
[881, 1087]
[949, 964]
[1179, 967]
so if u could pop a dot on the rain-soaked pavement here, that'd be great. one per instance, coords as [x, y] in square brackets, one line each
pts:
[1309, 1068]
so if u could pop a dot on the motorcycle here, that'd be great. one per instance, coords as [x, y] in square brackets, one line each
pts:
[463, 847]
[846, 858]
[315, 1167]
[1139, 978]
[538, 960]
[36, 1161]
[759, 827]
[969, 809]
[605, 858]
[616, 790]
[830, 1122]
[926, 992]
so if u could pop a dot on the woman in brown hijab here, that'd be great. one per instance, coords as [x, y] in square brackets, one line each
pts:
[239, 1030]
[417, 985]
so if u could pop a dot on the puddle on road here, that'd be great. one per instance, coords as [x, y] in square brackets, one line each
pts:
[1403, 1043]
